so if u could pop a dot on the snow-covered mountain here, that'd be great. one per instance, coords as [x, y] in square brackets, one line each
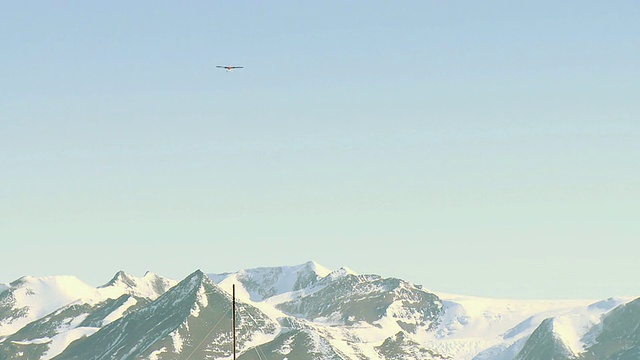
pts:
[149, 286]
[39, 317]
[300, 312]
[608, 329]
[180, 323]
[23, 302]
[266, 282]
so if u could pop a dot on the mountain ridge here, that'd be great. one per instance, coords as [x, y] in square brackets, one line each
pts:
[303, 311]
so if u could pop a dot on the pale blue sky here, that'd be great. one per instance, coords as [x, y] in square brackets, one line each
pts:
[487, 148]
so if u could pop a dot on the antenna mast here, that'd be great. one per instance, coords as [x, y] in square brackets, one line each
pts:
[234, 321]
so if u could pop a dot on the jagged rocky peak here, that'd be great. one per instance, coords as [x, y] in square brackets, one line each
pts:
[120, 277]
[158, 283]
[193, 281]
[308, 274]
[343, 271]
[149, 286]
[316, 268]
[200, 286]
[264, 282]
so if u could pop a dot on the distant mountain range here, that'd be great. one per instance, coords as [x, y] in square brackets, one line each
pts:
[300, 312]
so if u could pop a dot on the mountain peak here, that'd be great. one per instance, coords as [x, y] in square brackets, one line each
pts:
[545, 343]
[150, 274]
[196, 277]
[179, 322]
[317, 268]
[30, 298]
[265, 282]
[44, 284]
[342, 272]
[149, 286]
[119, 277]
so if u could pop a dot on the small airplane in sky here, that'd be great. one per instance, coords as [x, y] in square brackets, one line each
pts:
[229, 68]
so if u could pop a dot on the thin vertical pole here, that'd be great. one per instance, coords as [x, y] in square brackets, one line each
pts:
[234, 321]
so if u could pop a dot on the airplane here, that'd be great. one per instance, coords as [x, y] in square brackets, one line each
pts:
[229, 68]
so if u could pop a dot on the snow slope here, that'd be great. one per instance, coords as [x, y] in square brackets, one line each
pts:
[479, 328]
[31, 298]
[572, 326]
